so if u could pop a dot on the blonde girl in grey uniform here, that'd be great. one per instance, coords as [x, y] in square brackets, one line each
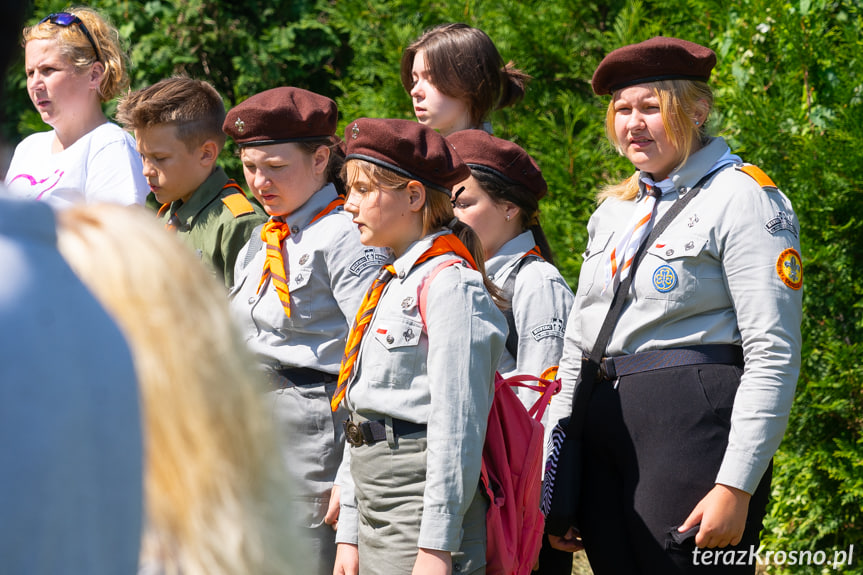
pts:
[699, 373]
[500, 201]
[298, 284]
[417, 378]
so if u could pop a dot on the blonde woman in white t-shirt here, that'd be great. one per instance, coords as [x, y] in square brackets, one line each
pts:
[74, 63]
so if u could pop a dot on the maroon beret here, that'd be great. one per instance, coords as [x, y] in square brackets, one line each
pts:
[407, 148]
[659, 58]
[482, 151]
[281, 115]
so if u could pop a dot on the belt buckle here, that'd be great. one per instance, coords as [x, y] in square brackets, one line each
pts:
[607, 370]
[353, 433]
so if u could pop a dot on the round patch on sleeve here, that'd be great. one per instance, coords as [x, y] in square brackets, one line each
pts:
[789, 266]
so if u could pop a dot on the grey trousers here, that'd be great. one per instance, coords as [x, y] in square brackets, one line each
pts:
[311, 438]
[389, 488]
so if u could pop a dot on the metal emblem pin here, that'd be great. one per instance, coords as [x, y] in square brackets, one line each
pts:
[408, 334]
[390, 339]
[303, 259]
[299, 278]
[669, 252]
[355, 131]
[240, 125]
[689, 246]
[407, 302]
[693, 220]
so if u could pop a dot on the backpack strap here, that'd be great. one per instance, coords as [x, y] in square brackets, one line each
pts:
[424, 290]
[545, 387]
[508, 289]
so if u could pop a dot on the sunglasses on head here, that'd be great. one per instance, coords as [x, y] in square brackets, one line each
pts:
[65, 20]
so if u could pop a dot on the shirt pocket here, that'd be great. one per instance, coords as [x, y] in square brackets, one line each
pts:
[398, 355]
[672, 267]
[302, 290]
[593, 266]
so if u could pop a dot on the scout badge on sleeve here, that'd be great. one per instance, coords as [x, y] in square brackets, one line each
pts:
[789, 266]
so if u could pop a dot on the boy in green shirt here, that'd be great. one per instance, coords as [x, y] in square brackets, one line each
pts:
[178, 130]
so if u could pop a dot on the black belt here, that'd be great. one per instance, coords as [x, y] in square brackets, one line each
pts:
[371, 432]
[613, 367]
[302, 376]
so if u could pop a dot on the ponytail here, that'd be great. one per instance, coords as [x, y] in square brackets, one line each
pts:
[513, 84]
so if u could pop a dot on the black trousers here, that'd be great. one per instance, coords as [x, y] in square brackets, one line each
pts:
[553, 561]
[653, 445]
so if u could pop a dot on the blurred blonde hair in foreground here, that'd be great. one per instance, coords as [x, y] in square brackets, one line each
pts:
[216, 491]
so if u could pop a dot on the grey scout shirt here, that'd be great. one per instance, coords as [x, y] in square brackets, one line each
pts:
[541, 301]
[329, 271]
[441, 373]
[723, 272]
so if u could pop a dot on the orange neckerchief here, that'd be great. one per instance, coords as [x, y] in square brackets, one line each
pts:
[173, 222]
[444, 244]
[273, 235]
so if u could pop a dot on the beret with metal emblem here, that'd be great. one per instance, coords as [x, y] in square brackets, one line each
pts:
[281, 115]
[407, 148]
[660, 58]
[483, 152]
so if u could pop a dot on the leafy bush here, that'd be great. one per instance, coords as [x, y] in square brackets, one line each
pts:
[789, 98]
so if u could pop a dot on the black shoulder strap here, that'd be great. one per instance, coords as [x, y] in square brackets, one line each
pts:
[508, 289]
[590, 365]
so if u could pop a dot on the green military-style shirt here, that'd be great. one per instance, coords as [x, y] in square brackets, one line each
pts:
[216, 222]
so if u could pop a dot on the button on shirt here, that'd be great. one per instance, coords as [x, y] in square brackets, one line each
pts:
[441, 374]
[710, 278]
[329, 271]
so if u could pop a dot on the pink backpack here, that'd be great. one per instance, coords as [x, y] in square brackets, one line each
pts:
[511, 468]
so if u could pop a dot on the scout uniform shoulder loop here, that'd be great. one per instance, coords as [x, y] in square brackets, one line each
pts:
[237, 202]
[758, 175]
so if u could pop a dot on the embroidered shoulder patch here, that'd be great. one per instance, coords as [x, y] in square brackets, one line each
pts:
[789, 266]
[782, 221]
[371, 257]
[554, 328]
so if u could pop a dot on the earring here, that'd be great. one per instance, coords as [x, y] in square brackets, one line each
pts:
[507, 217]
[697, 122]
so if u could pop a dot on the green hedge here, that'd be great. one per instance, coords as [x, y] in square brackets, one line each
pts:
[789, 88]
